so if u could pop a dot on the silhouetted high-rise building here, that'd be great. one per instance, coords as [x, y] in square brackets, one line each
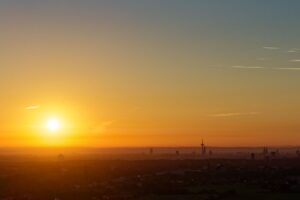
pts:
[274, 154]
[298, 153]
[252, 156]
[151, 151]
[203, 148]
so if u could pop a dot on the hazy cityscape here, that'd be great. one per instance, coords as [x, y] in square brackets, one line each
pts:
[149, 100]
[154, 173]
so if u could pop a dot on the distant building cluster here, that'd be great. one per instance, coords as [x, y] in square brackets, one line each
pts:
[203, 151]
[266, 154]
[203, 148]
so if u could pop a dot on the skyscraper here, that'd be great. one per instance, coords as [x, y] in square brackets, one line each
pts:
[203, 148]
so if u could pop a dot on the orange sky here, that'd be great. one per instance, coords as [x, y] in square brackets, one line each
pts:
[146, 74]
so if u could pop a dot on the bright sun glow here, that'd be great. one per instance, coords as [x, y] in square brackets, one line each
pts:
[53, 124]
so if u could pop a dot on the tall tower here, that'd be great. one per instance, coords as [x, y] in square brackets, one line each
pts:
[151, 151]
[203, 148]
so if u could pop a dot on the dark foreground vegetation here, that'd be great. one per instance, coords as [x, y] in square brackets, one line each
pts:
[72, 179]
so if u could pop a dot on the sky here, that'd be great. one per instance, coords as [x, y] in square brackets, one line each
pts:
[150, 73]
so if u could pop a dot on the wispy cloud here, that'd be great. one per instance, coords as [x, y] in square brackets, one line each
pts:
[32, 107]
[271, 48]
[247, 67]
[294, 50]
[262, 59]
[289, 68]
[295, 60]
[102, 127]
[233, 114]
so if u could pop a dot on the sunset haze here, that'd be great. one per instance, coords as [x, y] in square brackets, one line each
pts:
[143, 73]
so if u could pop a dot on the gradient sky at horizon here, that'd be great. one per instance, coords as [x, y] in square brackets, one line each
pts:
[151, 73]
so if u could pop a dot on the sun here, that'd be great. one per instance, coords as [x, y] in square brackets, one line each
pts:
[53, 124]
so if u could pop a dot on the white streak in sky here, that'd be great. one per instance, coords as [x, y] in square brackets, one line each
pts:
[232, 114]
[271, 48]
[32, 107]
[247, 67]
[295, 60]
[289, 68]
[294, 50]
